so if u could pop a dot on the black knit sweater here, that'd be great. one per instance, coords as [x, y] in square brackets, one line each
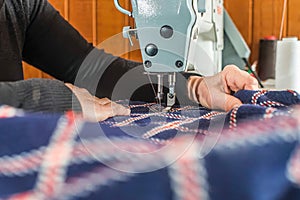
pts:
[33, 31]
[39, 95]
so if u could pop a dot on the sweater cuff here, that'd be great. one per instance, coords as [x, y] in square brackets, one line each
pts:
[8, 95]
[45, 95]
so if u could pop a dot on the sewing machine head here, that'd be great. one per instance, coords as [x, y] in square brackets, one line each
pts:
[177, 36]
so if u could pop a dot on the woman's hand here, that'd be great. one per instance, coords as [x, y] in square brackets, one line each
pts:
[215, 91]
[95, 109]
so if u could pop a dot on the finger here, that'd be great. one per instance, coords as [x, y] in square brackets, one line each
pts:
[237, 79]
[69, 85]
[103, 101]
[231, 102]
[94, 111]
[119, 109]
[245, 81]
[252, 84]
[81, 93]
[103, 112]
[111, 109]
[215, 99]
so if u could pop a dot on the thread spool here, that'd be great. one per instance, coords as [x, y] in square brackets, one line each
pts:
[287, 75]
[267, 58]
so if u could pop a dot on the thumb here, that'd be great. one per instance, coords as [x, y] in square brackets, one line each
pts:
[231, 102]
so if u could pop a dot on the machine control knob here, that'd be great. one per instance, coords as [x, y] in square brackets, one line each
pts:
[179, 63]
[151, 50]
[166, 31]
[148, 64]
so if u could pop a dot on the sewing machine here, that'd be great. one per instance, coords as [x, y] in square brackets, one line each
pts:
[177, 36]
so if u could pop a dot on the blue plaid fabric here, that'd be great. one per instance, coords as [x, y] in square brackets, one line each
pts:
[251, 152]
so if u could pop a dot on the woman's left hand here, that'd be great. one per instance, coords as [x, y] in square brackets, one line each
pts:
[215, 91]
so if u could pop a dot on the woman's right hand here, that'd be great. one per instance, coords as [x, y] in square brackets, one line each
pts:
[95, 109]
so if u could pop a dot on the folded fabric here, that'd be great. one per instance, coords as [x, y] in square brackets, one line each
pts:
[148, 119]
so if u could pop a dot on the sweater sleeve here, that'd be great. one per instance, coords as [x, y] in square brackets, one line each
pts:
[53, 45]
[39, 95]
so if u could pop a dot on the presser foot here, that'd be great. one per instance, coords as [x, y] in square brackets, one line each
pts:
[170, 101]
[166, 106]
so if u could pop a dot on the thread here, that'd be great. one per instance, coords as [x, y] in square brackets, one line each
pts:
[287, 69]
[267, 58]
[284, 12]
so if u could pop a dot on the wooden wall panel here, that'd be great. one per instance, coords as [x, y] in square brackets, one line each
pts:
[60, 5]
[110, 23]
[81, 17]
[109, 20]
[28, 70]
[242, 15]
[31, 72]
[98, 21]
[293, 26]
[266, 22]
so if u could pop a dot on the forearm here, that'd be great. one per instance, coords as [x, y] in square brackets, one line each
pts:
[111, 77]
[56, 47]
